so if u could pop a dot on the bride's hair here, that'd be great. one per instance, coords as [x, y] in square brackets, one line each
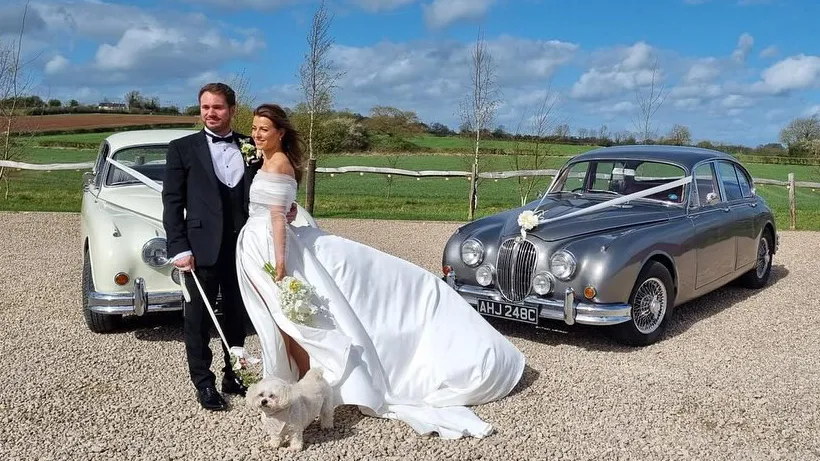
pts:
[292, 143]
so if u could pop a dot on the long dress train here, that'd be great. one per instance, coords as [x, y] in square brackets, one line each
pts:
[394, 339]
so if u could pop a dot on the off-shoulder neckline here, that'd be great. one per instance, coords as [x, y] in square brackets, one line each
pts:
[281, 175]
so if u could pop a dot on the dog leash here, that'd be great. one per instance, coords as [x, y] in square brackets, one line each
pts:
[239, 352]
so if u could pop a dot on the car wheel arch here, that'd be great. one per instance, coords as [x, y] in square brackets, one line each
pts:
[668, 262]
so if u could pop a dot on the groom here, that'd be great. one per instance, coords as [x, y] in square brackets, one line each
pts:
[205, 195]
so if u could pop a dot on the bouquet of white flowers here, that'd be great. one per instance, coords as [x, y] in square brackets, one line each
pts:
[295, 297]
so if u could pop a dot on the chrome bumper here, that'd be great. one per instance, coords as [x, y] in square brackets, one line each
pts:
[569, 310]
[138, 303]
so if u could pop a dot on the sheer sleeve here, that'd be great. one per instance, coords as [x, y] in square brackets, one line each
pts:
[275, 194]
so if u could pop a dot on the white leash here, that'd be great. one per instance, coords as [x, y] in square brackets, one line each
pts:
[238, 352]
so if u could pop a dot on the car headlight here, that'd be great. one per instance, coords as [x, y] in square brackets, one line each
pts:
[155, 252]
[562, 264]
[484, 275]
[542, 283]
[472, 252]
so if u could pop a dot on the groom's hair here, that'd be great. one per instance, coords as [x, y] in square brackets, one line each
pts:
[219, 88]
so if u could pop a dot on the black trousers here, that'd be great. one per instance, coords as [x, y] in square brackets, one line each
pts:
[198, 321]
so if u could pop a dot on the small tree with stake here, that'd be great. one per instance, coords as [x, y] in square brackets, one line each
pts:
[478, 109]
[318, 77]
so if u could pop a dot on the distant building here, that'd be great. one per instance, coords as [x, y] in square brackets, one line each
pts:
[114, 106]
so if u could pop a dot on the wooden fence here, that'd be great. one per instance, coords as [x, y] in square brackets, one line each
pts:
[791, 184]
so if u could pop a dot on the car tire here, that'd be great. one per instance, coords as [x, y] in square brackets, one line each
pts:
[652, 301]
[96, 322]
[758, 277]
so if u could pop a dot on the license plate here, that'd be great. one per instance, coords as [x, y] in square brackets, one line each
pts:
[515, 312]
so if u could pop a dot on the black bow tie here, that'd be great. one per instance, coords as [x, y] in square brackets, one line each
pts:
[216, 139]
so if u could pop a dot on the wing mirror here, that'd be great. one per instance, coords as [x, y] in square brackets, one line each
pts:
[88, 179]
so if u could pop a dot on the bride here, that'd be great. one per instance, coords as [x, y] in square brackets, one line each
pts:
[392, 338]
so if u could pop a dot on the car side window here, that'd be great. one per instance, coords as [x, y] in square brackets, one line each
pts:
[745, 183]
[728, 177]
[707, 186]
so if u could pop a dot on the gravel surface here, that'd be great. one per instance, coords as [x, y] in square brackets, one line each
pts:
[736, 377]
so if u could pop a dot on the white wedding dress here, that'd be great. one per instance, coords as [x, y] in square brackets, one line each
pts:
[397, 342]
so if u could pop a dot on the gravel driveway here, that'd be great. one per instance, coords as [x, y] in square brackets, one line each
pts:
[736, 377]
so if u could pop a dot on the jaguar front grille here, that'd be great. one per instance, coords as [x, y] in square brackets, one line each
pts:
[515, 266]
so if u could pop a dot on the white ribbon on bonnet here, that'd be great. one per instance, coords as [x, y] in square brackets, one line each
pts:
[609, 203]
[239, 352]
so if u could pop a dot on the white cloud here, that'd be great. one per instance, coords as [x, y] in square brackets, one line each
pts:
[381, 5]
[432, 77]
[441, 13]
[621, 107]
[252, 4]
[633, 69]
[704, 70]
[687, 103]
[735, 101]
[142, 48]
[793, 73]
[744, 46]
[769, 52]
[56, 64]
[438, 67]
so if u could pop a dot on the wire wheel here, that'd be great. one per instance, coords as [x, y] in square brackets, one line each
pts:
[763, 257]
[649, 306]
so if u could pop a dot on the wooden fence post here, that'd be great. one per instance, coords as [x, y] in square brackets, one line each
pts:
[792, 206]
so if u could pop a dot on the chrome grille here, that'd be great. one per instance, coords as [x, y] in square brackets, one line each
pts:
[515, 266]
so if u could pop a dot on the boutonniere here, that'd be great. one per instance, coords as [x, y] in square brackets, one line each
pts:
[249, 152]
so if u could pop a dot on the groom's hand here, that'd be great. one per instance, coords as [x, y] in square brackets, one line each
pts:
[185, 263]
[292, 213]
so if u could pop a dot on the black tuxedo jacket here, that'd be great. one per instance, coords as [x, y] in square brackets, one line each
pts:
[190, 185]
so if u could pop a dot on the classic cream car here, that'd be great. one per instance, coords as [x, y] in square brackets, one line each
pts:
[125, 262]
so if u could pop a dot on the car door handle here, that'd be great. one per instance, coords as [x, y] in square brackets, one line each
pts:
[753, 205]
[726, 210]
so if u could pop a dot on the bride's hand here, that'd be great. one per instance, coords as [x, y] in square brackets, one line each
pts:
[280, 271]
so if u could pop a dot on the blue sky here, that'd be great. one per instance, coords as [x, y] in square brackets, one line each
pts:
[734, 70]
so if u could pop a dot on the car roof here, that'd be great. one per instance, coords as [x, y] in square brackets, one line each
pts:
[685, 156]
[123, 139]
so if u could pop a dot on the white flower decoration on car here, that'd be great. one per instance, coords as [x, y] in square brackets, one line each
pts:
[527, 220]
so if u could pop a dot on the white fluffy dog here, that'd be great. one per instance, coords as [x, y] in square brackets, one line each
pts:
[288, 408]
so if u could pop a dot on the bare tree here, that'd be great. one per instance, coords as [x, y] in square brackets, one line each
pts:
[648, 104]
[543, 122]
[478, 109]
[318, 77]
[12, 87]
[243, 119]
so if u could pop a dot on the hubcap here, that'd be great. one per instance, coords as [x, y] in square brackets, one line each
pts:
[650, 305]
[763, 257]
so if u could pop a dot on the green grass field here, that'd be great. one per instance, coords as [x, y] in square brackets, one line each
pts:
[352, 195]
[458, 142]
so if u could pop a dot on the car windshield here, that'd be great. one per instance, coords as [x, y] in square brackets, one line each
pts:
[620, 177]
[148, 160]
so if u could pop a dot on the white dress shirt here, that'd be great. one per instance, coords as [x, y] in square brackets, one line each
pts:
[227, 160]
[228, 165]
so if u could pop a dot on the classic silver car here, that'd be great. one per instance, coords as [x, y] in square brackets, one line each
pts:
[621, 236]
[126, 270]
